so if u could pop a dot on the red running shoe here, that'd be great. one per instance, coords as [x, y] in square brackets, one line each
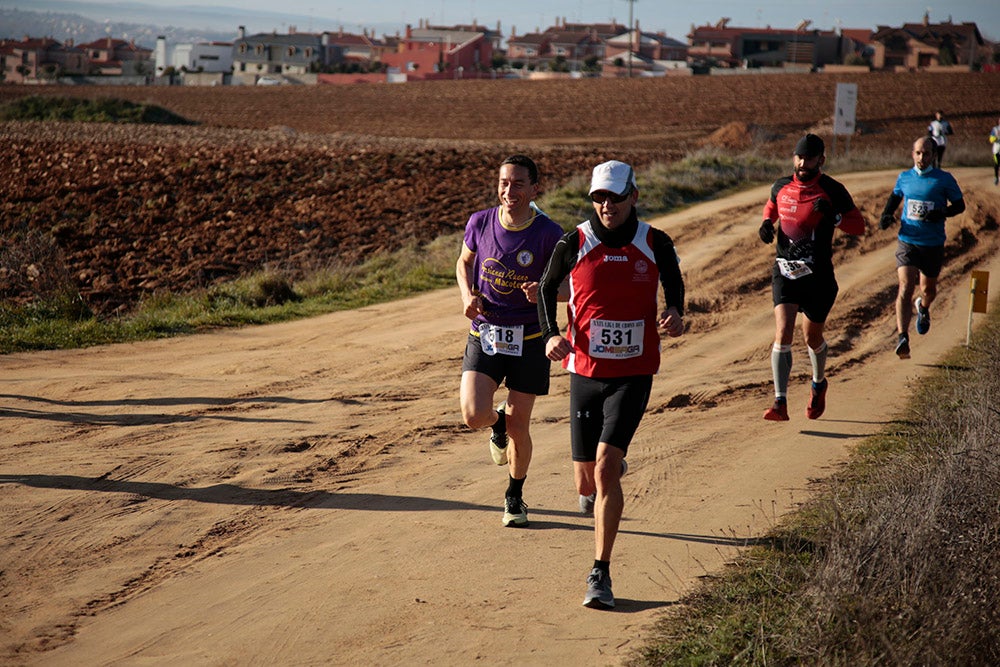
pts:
[817, 402]
[777, 412]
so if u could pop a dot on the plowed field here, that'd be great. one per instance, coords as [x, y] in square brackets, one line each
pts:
[300, 177]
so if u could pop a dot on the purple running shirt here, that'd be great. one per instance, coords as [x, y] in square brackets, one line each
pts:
[504, 260]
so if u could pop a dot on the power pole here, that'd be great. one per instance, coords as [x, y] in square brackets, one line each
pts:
[631, 4]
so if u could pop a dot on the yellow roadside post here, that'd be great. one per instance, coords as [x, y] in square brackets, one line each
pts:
[978, 296]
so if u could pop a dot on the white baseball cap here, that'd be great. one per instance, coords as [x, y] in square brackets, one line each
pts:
[613, 176]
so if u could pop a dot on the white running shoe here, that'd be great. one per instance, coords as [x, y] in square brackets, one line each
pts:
[515, 512]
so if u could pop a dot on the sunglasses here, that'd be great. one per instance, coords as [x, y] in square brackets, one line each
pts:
[601, 196]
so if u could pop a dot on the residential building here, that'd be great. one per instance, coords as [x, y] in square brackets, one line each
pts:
[32, 60]
[527, 50]
[858, 45]
[569, 49]
[652, 53]
[208, 57]
[292, 53]
[116, 57]
[921, 45]
[719, 45]
[494, 37]
[363, 50]
[450, 52]
[603, 31]
[564, 45]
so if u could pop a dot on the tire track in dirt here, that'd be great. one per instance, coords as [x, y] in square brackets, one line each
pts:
[344, 470]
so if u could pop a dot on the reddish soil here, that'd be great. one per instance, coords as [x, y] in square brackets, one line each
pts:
[305, 493]
[296, 178]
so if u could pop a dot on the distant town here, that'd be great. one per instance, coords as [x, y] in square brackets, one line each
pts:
[472, 51]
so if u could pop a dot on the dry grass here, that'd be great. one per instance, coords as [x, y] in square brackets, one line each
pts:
[897, 562]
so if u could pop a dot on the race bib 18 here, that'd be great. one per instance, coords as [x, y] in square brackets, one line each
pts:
[496, 339]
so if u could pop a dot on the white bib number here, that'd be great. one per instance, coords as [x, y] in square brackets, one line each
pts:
[616, 339]
[918, 210]
[793, 269]
[496, 339]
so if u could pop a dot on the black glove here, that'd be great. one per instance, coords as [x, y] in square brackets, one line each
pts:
[937, 215]
[886, 221]
[822, 206]
[766, 231]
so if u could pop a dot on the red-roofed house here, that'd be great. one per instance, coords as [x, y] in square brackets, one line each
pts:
[361, 49]
[652, 53]
[858, 42]
[529, 49]
[922, 45]
[110, 56]
[603, 31]
[39, 59]
[561, 46]
[425, 52]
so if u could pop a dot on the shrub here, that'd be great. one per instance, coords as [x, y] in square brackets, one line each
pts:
[105, 110]
[34, 278]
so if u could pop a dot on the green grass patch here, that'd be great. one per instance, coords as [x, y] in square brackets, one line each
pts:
[263, 298]
[702, 176]
[100, 110]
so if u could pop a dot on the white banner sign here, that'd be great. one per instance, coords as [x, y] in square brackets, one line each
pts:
[846, 104]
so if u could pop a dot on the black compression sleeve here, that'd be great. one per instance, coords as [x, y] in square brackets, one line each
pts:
[892, 204]
[670, 270]
[560, 264]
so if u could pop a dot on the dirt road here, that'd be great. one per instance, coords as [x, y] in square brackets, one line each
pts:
[305, 493]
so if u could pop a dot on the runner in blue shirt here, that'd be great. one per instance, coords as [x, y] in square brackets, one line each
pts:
[929, 196]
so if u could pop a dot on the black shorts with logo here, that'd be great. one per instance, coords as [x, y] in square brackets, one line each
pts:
[528, 374]
[813, 294]
[605, 410]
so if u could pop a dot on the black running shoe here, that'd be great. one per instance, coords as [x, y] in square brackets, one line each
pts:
[903, 347]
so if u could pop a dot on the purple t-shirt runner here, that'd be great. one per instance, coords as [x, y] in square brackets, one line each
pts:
[504, 260]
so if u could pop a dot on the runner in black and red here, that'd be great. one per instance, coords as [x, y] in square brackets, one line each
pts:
[803, 211]
[615, 265]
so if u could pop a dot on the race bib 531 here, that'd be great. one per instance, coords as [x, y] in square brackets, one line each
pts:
[616, 339]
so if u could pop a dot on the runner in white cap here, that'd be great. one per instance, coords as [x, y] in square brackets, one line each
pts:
[615, 264]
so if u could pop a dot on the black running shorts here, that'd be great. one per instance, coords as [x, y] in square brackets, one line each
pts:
[605, 410]
[528, 374]
[813, 294]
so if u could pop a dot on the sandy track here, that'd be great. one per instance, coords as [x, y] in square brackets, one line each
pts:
[305, 493]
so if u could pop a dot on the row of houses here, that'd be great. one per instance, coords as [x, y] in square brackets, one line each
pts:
[32, 60]
[910, 47]
[427, 51]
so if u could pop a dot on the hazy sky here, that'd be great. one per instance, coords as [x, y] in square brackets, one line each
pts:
[675, 18]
